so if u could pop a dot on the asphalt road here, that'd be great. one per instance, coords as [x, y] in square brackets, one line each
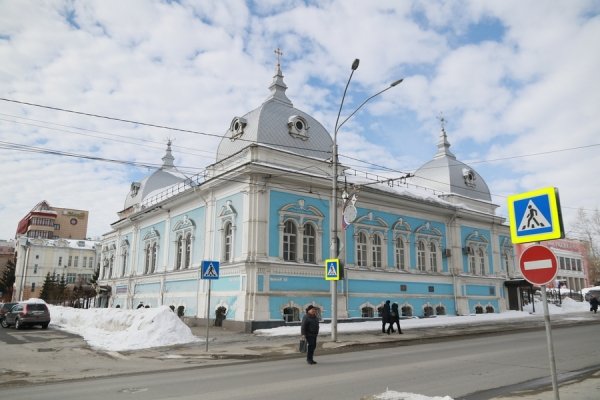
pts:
[460, 368]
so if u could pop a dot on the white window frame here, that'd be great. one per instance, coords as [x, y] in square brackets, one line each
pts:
[184, 240]
[301, 214]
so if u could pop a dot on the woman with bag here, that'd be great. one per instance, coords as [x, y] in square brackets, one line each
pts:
[309, 331]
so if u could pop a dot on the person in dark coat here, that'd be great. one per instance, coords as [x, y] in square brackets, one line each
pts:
[394, 319]
[385, 316]
[309, 331]
[594, 304]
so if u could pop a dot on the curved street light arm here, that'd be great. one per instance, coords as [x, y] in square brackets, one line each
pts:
[365, 102]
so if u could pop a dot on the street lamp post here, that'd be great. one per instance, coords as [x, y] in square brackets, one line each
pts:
[334, 248]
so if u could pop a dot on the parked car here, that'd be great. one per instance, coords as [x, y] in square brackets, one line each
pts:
[27, 314]
[4, 308]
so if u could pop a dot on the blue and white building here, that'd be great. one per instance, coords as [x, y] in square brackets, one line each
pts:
[431, 242]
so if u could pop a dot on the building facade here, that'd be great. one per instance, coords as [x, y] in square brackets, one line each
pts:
[47, 222]
[431, 243]
[73, 260]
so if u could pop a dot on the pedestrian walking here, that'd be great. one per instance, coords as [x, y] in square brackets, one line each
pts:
[385, 316]
[394, 319]
[594, 304]
[309, 331]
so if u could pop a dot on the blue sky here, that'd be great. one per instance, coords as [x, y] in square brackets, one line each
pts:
[515, 80]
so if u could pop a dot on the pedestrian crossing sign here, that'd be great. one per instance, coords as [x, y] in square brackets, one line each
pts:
[332, 269]
[210, 270]
[535, 216]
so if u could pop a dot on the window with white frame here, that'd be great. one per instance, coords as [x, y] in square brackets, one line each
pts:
[124, 256]
[184, 237]
[309, 243]
[370, 239]
[376, 250]
[421, 255]
[476, 248]
[300, 232]
[433, 256]
[227, 235]
[361, 249]
[481, 259]
[400, 249]
[151, 247]
[429, 244]
[289, 241]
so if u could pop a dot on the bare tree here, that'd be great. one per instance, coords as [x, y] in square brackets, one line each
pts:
[587, 226]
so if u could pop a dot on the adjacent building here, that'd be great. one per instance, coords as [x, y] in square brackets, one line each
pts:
[52, 240]
[47, 222]
[431, 243]
[73, 261]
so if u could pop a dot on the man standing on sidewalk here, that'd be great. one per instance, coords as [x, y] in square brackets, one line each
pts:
[310, 330]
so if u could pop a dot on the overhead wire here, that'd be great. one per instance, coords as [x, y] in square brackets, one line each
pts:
[14, 146]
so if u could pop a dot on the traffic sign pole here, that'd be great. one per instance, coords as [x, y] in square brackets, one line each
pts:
[208, 312]
[550, 344]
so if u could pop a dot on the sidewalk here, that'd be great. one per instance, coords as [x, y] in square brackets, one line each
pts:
[35, 362]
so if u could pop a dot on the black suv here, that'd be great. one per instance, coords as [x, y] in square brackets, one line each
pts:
[27, 314]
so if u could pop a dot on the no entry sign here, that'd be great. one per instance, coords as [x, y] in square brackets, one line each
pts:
[538, 265]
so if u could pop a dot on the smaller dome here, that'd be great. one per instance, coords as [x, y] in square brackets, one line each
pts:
[447, 174]
[166, 175]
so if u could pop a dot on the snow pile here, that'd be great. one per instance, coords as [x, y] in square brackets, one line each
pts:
[568, 306]
[116, 329]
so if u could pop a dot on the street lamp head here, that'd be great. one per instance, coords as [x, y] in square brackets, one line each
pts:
[399, 81]
[355, 64]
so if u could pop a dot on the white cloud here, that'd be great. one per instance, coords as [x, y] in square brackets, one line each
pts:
[196, 65]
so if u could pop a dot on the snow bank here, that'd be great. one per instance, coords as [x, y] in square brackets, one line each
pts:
[116, 329]
[392, 395]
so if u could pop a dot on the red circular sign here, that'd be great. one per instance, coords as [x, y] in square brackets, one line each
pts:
[538, 265]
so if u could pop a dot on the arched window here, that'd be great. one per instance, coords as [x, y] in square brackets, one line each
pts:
[188, 250]
[433, 256]
[428, 311]
[440, 310]
[367, 312]
[123, 262]
[291, 314]
[227, 232]
[472, 263]
[154, 257]
[361, 249]
[421, 255]
[376, 251]
[400, 253]
[481, 256]
[489, 309]
[308, 243]
[110, 266]
[179, 252]
[148, 257]
[478, 310]
[407, 311]
[289, 241]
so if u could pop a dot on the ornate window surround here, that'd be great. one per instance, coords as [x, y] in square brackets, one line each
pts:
[429, 235]
[184, 239]
[151, 245]
[475, 244]
[401, 230]
[300, 214]
[227, 215]
[371, 225]
[124, 256]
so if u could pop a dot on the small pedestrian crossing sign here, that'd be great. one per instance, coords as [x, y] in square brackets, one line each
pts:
[210, 270]
[535, 216]
[332, 269]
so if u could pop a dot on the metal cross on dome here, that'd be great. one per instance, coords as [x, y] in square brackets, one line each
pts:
[279, 54]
